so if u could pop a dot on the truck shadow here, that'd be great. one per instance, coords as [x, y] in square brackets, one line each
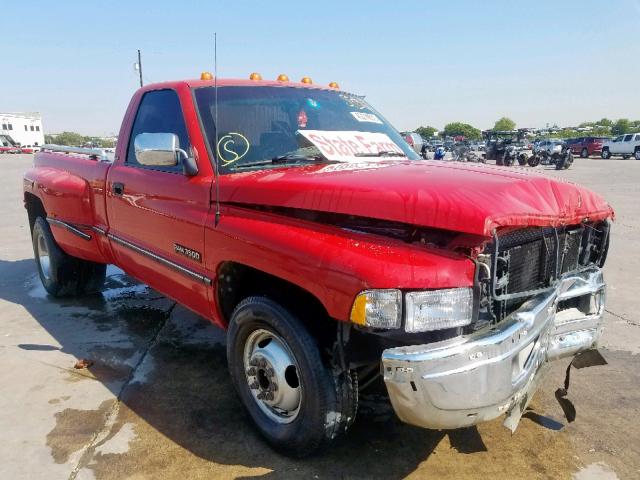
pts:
[174, 387]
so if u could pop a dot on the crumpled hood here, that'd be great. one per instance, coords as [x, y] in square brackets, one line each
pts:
[473, 199]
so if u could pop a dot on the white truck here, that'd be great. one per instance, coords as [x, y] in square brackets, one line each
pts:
[625, 145]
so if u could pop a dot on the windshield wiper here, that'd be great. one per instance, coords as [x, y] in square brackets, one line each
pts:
[383, 153]
[293, 157]
[286, 158]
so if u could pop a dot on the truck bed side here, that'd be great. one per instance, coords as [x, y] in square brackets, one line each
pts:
[71, 191]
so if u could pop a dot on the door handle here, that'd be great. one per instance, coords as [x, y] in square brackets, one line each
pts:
[117, 188]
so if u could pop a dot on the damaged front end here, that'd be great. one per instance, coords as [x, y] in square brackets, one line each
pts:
[540, 296]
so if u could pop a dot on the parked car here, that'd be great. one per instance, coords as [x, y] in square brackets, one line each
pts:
[436, 144]
[29, 149]
[586, 146]
[414, 140]
[552, 152]
[330, 253]
[9, 149]
[549, 145]
[624, 145]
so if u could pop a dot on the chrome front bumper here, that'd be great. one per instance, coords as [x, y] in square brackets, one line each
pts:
[471, 379]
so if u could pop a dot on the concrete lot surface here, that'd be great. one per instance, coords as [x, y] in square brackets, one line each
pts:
[157, 402]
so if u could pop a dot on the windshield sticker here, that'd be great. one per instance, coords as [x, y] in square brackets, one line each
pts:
[366, 117]
[313, 103]
[302, 119]
[354, 101]
[352, 146]
[232, 147]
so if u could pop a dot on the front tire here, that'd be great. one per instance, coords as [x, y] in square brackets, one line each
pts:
[62, 274]
[298, 404]
[508, 160]
[606, 154]
[522, 159]
[637, 154]
[584, 153]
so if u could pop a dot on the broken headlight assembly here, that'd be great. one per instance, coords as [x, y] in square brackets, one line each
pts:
[424, 310]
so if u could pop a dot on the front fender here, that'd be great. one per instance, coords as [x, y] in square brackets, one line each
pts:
[331, 263]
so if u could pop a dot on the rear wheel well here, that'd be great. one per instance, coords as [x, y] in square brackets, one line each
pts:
[34, 207]
[237, 281]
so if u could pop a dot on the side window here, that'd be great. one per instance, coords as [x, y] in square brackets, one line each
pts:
[627, 138]
[159, 112]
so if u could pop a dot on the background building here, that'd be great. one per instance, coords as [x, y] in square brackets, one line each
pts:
[24, 129]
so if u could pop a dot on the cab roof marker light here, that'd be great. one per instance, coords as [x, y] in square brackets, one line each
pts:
[306, 80]
[255, 76]
[334, 85]
[206, 76]
[283, 78]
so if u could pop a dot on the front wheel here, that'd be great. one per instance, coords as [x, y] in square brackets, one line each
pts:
[522, 159]
[62, 274]
[567, 160]
[584, 153]
[605, 154]
[637, 154]
[298, 404]
[508, 160]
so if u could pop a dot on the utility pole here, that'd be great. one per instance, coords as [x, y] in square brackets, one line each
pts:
[140, 67]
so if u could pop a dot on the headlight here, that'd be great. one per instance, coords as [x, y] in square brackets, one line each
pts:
[438, 309]
[378, 308]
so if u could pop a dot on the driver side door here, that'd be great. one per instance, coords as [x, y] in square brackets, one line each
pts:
[157, 213]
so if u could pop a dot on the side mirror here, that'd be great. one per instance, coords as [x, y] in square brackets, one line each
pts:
[162, 150]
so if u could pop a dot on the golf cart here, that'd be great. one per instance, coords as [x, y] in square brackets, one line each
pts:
[502, 146]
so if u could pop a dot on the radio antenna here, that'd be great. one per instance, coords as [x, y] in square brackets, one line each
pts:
[215, 121]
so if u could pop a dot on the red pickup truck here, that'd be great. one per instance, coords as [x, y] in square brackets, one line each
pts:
[294, 216]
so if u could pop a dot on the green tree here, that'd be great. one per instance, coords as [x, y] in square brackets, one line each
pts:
[458, 128]
[622, 125]
[605, 122]
[106, 143]
[69, 139]
[426, 132]
[504, 123]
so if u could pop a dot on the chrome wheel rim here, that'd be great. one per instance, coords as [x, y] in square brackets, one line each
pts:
[43, 257]
[272, 375]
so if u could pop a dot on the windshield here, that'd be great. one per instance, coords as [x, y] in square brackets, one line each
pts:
[260, 127]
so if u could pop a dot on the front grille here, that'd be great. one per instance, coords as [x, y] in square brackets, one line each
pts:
[528, 261]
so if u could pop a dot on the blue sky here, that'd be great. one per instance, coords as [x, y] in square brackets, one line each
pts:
[419, 63]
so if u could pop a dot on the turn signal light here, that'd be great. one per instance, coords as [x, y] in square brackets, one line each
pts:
[283, 78]
[255, 76]
[334, 85]
[206, 76]
[378, 309]
[306, 80]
